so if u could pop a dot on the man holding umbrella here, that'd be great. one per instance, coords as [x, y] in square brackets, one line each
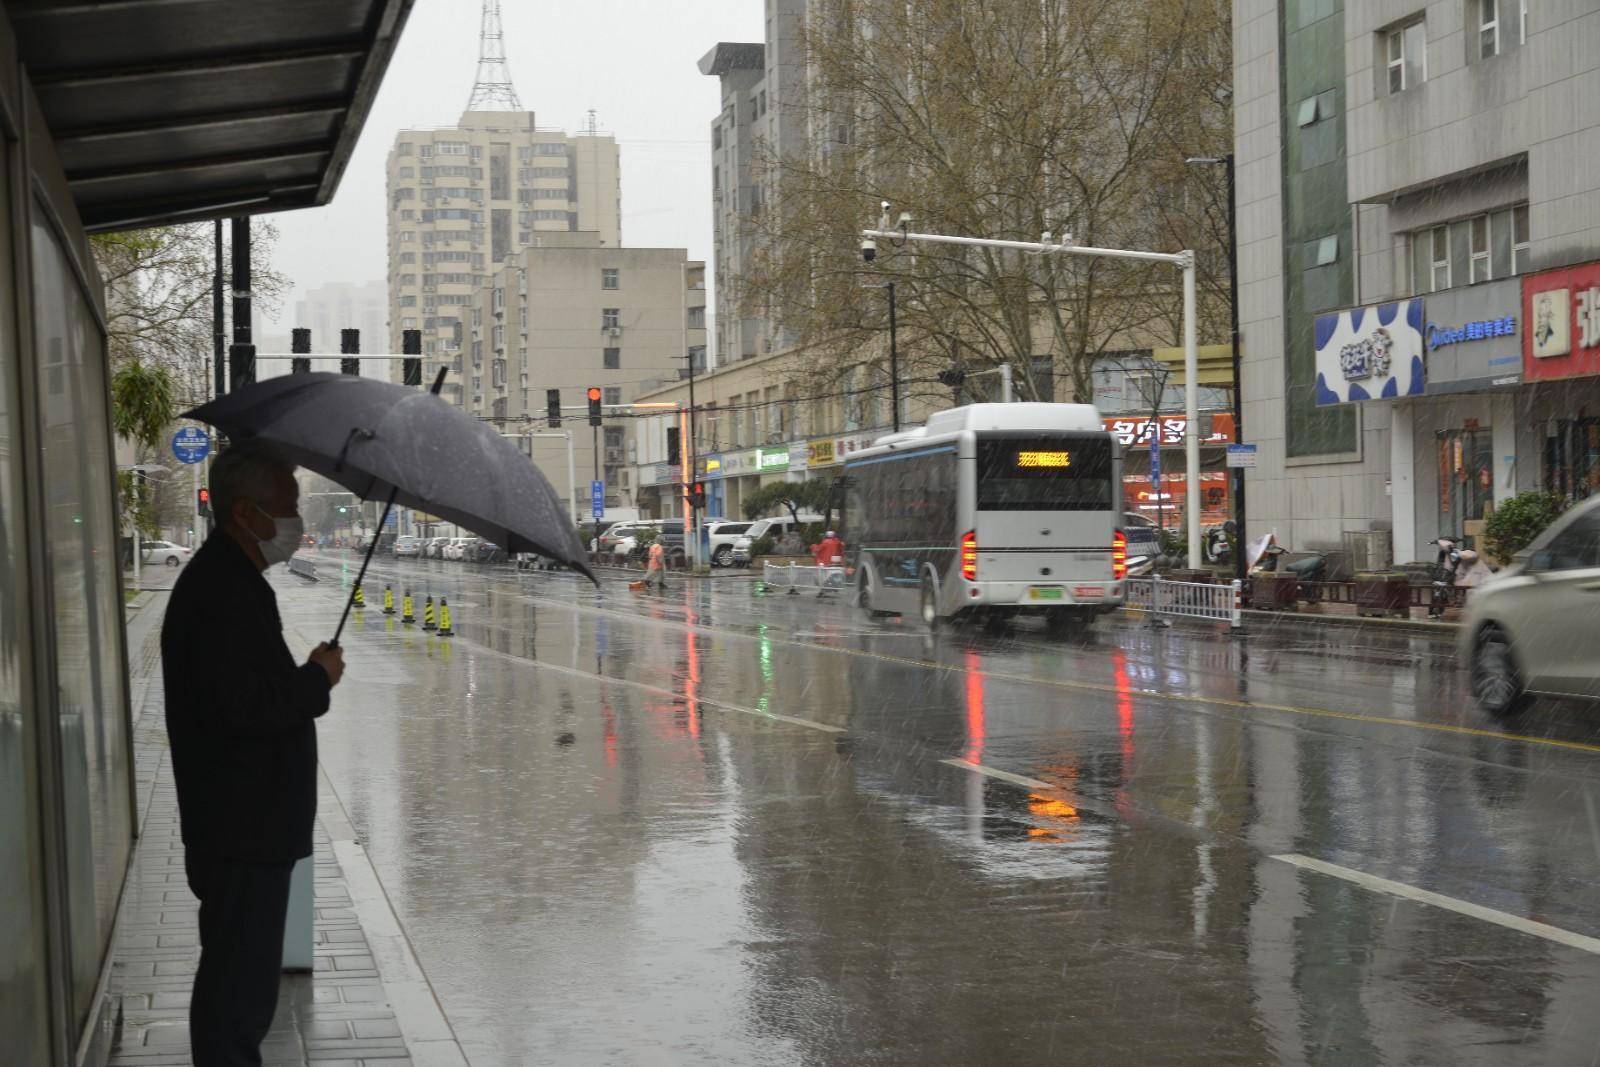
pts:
[240, 716]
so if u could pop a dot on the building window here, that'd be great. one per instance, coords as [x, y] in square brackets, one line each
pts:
[611, 359]
[697, 318]
[613, 394]
[1521, 239]
[1439, 244]
[610, 278]
[1317, 108]
[1522, 21]
[1325, 251]
[1408, 47]
[610, 318]
[1488, 28]
[1481, 271]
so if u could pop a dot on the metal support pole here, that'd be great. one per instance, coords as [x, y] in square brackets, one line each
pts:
[572, 480]
[1191, 409]
[138, 483]
[242, 356]
[594, 432]
[219, 324]
[1008, 392]
[894, 366]
[1239, 538]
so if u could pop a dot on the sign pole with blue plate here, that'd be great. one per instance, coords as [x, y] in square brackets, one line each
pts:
[597, 498]
[191, 444]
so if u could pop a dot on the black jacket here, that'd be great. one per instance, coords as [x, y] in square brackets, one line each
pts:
[239, 712]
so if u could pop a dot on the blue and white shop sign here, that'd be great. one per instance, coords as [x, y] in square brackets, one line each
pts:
[1370, 353]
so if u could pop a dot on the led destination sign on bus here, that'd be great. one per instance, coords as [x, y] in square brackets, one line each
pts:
[1037, 459]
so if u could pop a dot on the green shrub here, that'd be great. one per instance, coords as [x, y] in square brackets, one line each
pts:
[1515, 524]
[763, 546]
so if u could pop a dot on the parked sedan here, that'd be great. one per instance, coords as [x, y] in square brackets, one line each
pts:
[164, 552]
[435, 548]
[1529, 629]
[407, 546]
[720, 536]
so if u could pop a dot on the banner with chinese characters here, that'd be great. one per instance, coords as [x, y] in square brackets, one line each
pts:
[1370, 353]
[1562, 310]
[1135, 432]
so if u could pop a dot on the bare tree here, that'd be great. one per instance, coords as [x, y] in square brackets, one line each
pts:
[1008, 119]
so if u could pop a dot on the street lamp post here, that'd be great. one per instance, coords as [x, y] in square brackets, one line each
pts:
[1238, 383]
[1183, 260]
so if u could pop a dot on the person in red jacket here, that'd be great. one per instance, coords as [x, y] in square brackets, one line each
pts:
[829, 552]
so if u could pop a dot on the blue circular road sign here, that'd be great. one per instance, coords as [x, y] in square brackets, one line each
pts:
[191, 444]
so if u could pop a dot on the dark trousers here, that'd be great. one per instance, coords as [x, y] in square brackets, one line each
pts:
[243, 906]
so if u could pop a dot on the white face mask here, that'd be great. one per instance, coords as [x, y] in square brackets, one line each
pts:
[286, 541]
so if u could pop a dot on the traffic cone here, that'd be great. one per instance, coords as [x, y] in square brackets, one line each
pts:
[388, 600]
[444, 619]
[405, 607]
[427, 615]
[360, 597]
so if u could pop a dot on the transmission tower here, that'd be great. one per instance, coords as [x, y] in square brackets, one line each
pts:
[492, 90]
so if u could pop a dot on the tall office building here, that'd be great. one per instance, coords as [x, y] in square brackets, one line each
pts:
[760, 109]
[466, 199]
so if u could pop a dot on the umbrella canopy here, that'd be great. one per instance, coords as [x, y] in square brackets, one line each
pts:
[378, 439]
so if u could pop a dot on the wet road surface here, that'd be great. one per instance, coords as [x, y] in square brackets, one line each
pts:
[720, 827]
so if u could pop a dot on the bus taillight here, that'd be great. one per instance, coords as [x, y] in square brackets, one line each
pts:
[1119, 555]
[969, 555]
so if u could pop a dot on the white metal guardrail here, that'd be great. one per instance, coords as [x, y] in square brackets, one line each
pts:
[797, 576]
[302, 568]
[1189, 600]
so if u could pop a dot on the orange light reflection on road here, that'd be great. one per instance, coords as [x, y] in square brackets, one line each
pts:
[1124, 684]
[691, 682]
[610, 734]
[975, 713]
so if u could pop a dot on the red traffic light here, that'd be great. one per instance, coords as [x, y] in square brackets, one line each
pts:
[205, 496]
[594, 394]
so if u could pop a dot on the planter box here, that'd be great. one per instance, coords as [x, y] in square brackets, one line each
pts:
[1384, 594]
[1274, 592]
[1196, 577]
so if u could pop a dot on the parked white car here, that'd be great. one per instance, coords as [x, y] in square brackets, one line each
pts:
[456, 548]
[766, 528]
[721, 537]
[1529, 628]
[408, 546]
[164, 552]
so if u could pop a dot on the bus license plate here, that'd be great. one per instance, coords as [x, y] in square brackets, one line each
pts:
[1088, 592]
[1044, 592]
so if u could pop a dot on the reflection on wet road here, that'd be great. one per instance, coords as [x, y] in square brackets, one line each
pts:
[714, 826]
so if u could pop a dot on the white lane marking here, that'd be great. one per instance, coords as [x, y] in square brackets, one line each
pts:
[1004, 776]
[659, 691]
[1439, 900]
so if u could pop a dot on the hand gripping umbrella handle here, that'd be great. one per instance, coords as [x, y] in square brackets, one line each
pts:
[388, 505]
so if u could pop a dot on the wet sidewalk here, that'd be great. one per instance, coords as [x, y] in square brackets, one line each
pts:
[366, 1000]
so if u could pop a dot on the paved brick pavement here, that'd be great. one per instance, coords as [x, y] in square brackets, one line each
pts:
[339, 1015]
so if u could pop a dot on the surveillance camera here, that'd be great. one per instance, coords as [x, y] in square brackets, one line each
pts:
[905, 219]
[885, 205]
[869, 250]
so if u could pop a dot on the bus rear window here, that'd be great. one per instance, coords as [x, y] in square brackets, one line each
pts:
[1053, 473]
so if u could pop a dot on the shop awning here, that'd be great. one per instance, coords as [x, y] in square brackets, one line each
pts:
[181, 110]
[1216, 364]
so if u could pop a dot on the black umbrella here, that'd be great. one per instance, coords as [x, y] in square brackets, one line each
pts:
[399, 444]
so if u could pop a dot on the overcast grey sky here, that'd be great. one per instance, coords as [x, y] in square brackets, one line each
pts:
[633, 61]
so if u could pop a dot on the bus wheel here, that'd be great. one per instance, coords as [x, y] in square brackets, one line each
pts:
[930, 604]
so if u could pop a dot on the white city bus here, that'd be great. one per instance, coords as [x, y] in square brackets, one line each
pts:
[989, 509]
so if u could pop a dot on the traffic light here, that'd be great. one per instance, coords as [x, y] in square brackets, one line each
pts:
[203, 500]
[594, 405]
[674, 451]
[697, 495]
[342, 509]
[552, 407]
[411, 345]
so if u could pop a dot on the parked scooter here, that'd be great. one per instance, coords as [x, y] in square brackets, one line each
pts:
[1454, 567]
[1309, 572]
[1218, 545]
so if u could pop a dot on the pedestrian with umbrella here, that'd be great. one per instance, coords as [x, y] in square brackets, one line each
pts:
[240, 716]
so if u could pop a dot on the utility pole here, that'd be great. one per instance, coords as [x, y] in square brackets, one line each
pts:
[894, 367]
[218, 324]
[1238, 381]
[242, 356]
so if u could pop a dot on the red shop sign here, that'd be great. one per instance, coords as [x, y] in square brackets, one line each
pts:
[1134, 431]
[1561, 310]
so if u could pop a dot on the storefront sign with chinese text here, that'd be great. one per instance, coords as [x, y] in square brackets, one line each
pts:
[820, 453]
[1369, 353]
[1562, 309]
[1474, 337]
[1131, 432]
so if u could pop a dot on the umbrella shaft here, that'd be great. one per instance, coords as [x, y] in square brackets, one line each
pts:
[365, 561]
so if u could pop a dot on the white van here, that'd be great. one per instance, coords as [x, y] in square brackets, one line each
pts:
[774, 528]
